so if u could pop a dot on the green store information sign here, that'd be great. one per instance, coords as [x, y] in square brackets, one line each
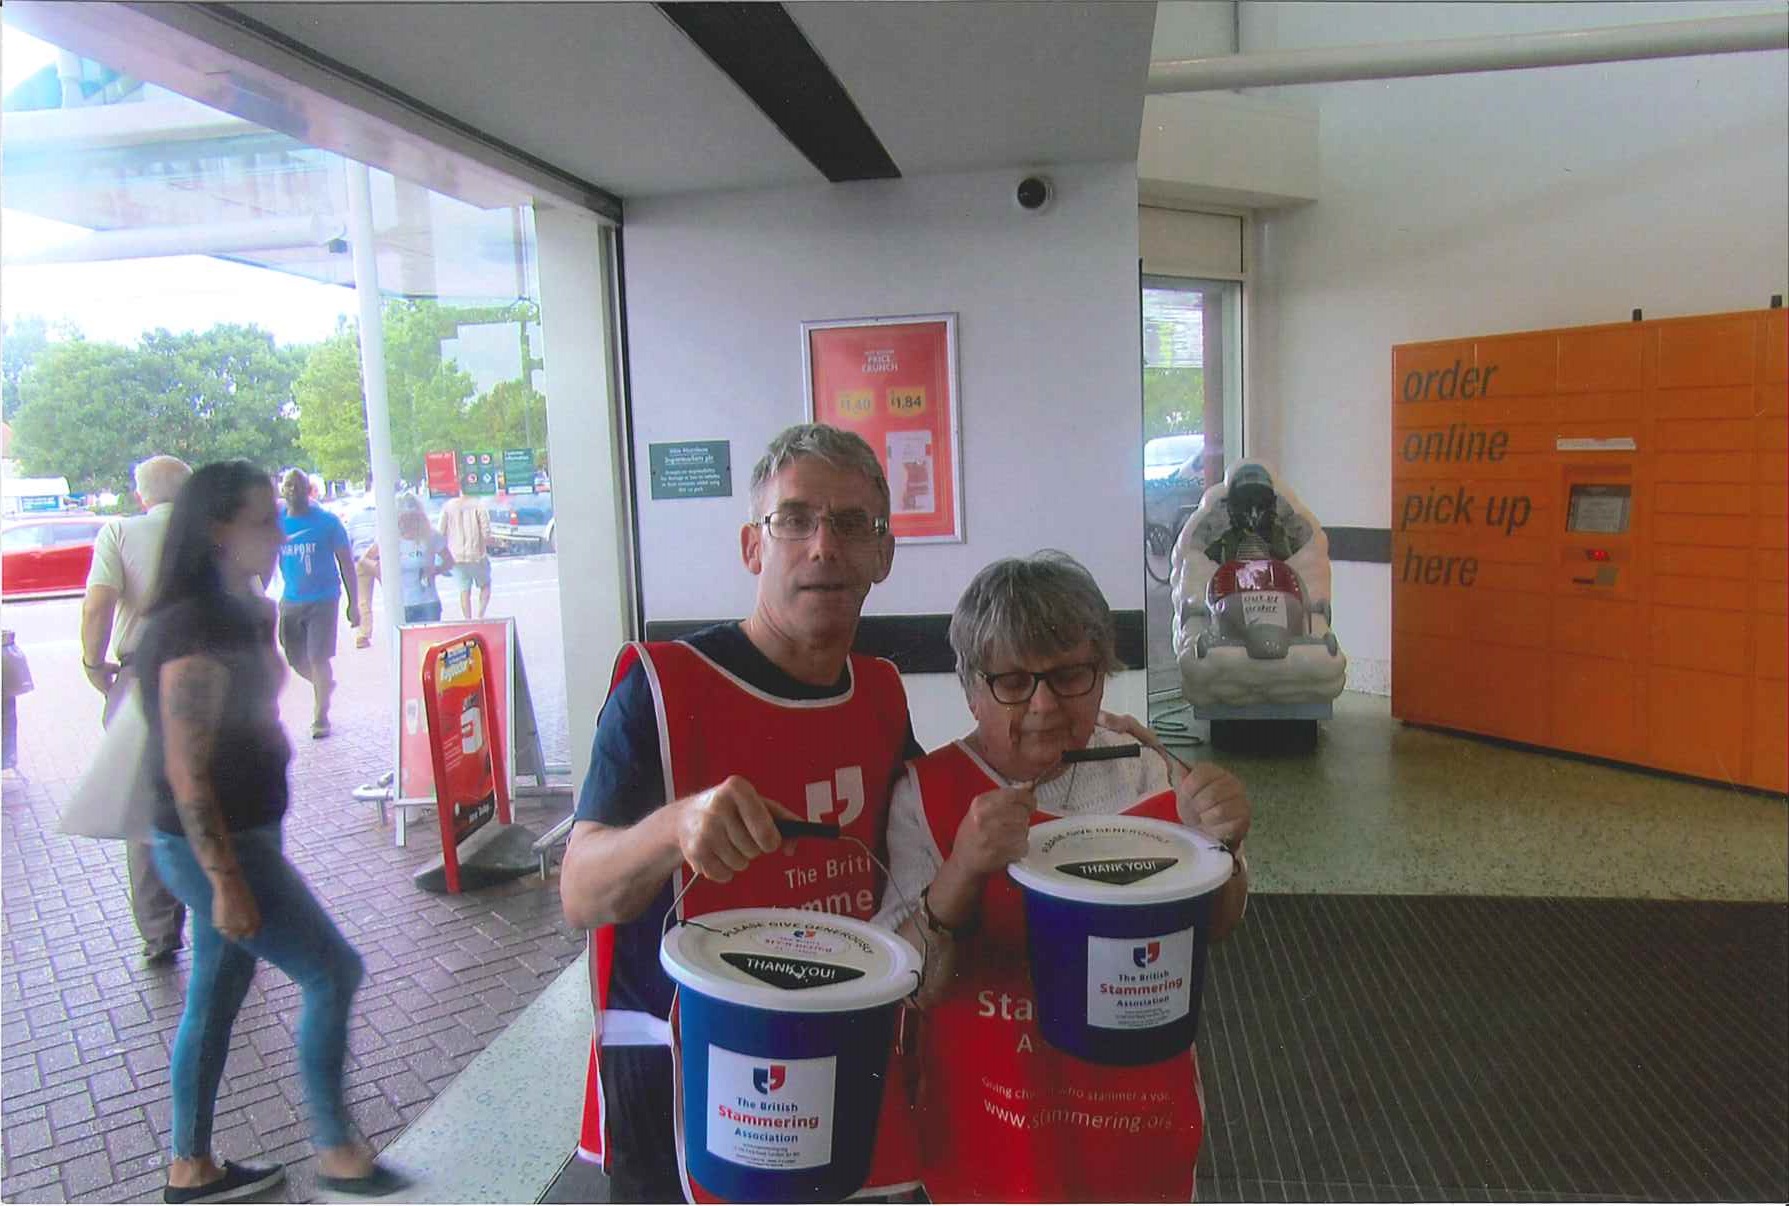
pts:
[518, 470]
[700, 469]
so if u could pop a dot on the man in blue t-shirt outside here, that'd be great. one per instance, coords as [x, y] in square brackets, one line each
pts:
[315, 562]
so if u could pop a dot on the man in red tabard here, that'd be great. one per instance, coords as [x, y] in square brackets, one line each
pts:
[702, 745]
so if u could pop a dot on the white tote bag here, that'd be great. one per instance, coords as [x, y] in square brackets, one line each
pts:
[116, 797]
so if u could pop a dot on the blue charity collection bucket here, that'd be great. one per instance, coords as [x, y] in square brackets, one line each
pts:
[1118, 915]
[785, 1018]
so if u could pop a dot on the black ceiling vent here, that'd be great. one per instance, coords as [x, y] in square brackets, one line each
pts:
[761, 49]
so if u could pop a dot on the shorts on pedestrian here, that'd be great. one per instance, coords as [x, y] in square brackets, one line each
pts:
[422, 613]
[307, 631]
[475, 572]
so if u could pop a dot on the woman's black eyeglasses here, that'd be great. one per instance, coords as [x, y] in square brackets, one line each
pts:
[1067, 682]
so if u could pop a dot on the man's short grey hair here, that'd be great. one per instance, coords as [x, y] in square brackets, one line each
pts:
[838, 448]
[1025, 607]
[159, 479]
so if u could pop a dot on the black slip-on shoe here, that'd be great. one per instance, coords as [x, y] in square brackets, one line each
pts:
[238, 1181]
[160, 954]
[382, 1182]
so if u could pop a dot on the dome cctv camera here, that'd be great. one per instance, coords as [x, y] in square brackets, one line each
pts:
[1034, 193]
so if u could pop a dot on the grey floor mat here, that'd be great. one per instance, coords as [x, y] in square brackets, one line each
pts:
[1483, 1049]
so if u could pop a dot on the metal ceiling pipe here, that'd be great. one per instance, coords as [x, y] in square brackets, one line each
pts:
[215, 238]
[1505, 52]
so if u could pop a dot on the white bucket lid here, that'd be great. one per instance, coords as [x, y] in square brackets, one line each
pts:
[790, 960]
[1120, 860]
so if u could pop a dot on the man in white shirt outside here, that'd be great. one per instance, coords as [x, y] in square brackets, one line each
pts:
[120, 583]
[467, 527]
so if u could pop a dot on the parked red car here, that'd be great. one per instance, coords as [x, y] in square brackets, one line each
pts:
[47, 555]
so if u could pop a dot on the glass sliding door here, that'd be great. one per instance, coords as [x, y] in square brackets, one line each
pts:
[1192, 430]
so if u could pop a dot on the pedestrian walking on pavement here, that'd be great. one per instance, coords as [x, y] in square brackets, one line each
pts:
[217, 755]
[365, 551]
[467, 527]
[422, 558]
[316, 566]
[119, 586]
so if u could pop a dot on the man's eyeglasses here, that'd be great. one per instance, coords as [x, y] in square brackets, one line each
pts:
[1066, 682]
[799, 524]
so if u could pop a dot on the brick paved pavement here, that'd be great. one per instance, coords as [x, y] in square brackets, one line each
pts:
[86, 1027]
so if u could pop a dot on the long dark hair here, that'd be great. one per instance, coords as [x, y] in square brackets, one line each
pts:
[213, 495]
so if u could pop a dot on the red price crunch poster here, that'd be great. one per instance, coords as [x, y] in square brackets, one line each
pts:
[893, 382]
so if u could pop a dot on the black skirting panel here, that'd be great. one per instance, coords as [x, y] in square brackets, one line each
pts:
[762, 49]
[1360, 544]
[921, 644]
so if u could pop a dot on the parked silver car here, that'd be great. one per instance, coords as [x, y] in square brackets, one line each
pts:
[523, 523]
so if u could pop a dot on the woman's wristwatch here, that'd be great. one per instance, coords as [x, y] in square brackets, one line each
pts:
[931, 922]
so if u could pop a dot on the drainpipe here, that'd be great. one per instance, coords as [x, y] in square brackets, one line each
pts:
[1510, 52]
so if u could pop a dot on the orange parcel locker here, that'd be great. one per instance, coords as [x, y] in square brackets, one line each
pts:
[1596, 515]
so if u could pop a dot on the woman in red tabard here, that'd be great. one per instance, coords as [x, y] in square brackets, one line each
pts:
[1003, 1116]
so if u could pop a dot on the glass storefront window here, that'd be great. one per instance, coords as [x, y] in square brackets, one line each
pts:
[179, 279]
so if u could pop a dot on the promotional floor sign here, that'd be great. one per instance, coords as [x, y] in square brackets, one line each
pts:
[893, 381]
[459, 700]
[513, 720]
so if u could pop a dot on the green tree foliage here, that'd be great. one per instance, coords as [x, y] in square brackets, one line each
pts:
[1173, 401]
[428, 395]
[512, 415]
[228, 395]
[84, 414]
[91, 411]
[433, 403]
[23, 343]
[331, 415]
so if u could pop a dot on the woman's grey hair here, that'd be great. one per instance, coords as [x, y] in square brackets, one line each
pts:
[1036, 606]
[838, 448]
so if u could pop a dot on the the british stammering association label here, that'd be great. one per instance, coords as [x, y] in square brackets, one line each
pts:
[1138, 983]
[773, 1114]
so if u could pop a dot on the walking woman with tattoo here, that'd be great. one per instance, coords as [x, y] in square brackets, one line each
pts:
[211, 677]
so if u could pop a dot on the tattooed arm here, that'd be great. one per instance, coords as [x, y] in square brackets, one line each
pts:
[193, 691]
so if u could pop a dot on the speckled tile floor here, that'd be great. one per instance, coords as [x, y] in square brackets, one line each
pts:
[1382, 807]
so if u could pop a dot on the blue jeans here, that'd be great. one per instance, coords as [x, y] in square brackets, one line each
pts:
[297, 937]
[422, 613]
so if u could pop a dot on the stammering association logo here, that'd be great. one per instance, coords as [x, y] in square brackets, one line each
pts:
[804, 933]
[1146, 954]
[769, 1080]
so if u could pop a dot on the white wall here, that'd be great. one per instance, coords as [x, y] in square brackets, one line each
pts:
[1047, 327]
[1190, 29]
[1468, 204]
